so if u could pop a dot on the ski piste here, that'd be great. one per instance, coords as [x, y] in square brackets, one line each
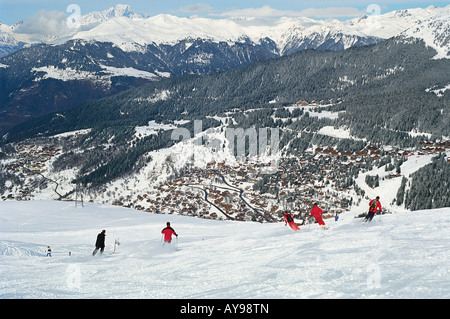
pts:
[347, 253]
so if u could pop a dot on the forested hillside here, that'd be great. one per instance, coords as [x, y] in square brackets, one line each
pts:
[383, 95]
[430, 186]
[382, 89]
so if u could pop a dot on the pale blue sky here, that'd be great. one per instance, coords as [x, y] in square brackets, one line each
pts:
[12, 11]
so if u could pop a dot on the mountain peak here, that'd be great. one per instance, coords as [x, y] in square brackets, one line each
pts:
[119, 10]
[166, 18]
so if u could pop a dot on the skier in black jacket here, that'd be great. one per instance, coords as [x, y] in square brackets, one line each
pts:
[100, 243]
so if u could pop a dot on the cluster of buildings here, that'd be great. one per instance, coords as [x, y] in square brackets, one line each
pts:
[247, 191]
[31, 159]
[230, 191]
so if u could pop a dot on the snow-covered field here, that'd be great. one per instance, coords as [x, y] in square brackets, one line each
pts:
[403, 255]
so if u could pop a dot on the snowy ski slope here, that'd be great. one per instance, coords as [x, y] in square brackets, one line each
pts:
[403, 255]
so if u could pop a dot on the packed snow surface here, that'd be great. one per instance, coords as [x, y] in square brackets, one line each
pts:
[402, 255]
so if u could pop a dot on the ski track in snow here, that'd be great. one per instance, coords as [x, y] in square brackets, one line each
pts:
[403, 255]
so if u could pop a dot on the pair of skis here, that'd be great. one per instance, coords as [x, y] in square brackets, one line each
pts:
[163, 242]
[295, 227]
[366, 221]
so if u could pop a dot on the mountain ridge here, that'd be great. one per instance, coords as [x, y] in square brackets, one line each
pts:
[108, 25]
[99, 59]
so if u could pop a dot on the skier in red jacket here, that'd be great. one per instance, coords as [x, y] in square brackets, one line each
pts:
[374, 206]
[168, 232]
[317, 213]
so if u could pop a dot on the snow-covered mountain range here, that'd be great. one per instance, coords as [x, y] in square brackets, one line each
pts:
[132, 31]
[64, 65]
[288, 33]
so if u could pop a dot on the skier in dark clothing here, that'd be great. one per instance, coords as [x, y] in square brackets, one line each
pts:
[374, 205]
[100, 243]
[168, 232]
